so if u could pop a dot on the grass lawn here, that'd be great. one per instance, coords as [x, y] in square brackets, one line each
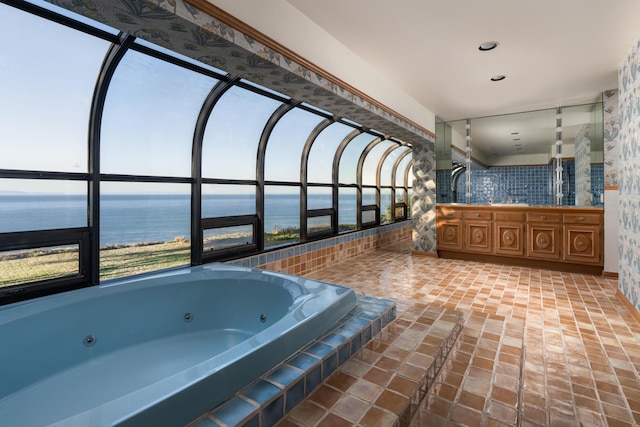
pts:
[36, 265]
[115, 260]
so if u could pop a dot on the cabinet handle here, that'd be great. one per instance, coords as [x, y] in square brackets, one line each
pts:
[508, 237]
[581, 218]
[543, 217]
[543, 241]
[580, 243]
[477, 215]
[449, 234]
[449, 214]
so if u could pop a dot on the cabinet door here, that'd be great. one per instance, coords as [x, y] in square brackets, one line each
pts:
[478, 237]
[582, 243]
[449, 235]
[543, 241]
[509, 239]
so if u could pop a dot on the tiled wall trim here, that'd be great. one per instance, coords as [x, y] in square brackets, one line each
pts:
[309, 257]
[265, 401]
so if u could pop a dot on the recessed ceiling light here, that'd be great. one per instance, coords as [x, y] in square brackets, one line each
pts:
[488, 46]
[498, 78]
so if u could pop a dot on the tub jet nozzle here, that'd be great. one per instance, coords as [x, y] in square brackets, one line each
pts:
[89, 340]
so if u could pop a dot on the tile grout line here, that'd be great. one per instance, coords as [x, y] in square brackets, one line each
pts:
[520, 413]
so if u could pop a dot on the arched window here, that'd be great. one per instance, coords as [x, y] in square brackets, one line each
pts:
[284, 147]
[47, 85]
[48, 77]
[149, 117]
[230, 144]
[142, 159]
[388, 192]
[323, 150]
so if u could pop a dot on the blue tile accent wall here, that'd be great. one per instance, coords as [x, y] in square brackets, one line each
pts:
[522, 184]
[597, 184]
[443, 187]
[516, 184]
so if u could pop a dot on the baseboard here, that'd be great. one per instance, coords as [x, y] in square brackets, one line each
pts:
[595, 270]
[630, 308]
[429, 254]
[612, 274]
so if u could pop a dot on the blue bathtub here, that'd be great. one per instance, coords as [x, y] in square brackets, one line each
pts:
[155, 350]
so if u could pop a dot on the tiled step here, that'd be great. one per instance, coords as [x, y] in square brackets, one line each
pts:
[384, 383]
[370, 370]
[268, 399]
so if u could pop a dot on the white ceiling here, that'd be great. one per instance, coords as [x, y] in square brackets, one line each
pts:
[553, 52]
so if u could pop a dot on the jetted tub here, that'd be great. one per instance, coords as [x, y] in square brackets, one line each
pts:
[155, 350]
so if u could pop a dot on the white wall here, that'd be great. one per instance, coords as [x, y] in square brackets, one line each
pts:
[283, 23]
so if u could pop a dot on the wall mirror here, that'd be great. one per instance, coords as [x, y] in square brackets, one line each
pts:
[514, 158]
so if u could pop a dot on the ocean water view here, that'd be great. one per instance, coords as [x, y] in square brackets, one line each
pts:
[128, 218]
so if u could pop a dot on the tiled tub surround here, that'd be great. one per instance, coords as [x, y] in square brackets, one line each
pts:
[136, 351]
[366, 370]
[276, 393]
[311, 257]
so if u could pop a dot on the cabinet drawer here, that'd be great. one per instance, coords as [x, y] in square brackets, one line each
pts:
[543, 217]
[509, 216]
[593, 219]
[477, 215]
[445, 213]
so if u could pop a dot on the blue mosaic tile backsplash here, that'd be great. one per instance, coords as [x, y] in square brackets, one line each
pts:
[518, 184]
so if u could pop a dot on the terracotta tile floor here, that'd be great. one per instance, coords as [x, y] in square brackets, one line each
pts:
[539, 347]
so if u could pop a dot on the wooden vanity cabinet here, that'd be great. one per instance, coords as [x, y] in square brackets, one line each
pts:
[568, 239]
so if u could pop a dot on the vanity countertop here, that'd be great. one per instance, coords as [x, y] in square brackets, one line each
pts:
[517, 206]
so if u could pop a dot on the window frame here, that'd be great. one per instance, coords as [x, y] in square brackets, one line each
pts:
[88, 238]
[230, 251]
[25, 240]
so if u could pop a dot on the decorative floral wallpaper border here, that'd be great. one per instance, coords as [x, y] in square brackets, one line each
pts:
[629, 178]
